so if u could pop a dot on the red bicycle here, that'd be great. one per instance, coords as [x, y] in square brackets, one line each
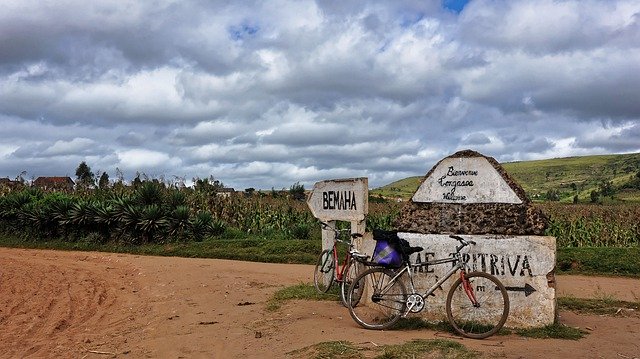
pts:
[328, 269]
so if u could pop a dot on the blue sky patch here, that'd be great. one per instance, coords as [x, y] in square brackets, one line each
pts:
[243, 31]
[454, 5]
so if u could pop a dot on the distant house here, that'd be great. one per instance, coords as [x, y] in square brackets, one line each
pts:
[225, 192]
[54, 183]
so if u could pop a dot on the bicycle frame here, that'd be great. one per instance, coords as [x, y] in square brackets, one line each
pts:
[340, 269]
[458, 266]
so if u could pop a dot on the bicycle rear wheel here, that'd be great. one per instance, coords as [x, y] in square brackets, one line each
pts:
[353, 269]
[324, 272]
[382, 300]
[487, 316]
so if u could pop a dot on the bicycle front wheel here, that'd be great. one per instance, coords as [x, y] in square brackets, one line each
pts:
[382, 300]
[353, 269]
[324, 271]
[489, 313]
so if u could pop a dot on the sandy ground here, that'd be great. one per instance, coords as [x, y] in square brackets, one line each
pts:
[56, 304]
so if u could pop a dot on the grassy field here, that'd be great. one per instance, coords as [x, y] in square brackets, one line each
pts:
[568, 176]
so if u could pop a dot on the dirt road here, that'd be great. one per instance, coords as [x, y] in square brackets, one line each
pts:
[56, 304]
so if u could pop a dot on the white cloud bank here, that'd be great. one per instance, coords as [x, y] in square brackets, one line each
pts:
[264, 94]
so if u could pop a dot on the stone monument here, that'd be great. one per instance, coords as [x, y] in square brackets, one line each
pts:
[471, 195]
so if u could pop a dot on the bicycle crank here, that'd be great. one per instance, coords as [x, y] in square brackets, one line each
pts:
[415, 303]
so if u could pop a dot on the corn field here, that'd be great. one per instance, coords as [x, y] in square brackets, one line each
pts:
[153, 212]
[581, 225]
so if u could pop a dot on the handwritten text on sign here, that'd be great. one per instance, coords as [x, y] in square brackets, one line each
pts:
[465, 180]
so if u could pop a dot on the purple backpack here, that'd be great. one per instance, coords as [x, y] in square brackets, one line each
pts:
[388, 250]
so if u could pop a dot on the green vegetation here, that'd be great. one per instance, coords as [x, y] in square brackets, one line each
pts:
[590, 261]
[417, 348]
[553, 331]
[154, 217]
[599, 261]
[328, 350]
[607, 175]
[300, 291]
[422, 348]
[600, 306]
[593, 226]
[403, 189]
[608, 179]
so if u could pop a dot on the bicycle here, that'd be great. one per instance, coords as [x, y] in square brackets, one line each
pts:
[328, 270]
[477, 304]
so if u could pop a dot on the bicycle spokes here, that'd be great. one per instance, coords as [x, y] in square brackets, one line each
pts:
[477, 306]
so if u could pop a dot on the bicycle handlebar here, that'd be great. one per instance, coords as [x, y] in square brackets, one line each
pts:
[463, 242]
[338, 231]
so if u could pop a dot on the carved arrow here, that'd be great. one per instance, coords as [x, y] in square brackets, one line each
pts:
[527, 289]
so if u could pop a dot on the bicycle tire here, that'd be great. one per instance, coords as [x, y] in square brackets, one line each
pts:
[324, 272]
[382, 302]
[484, 319]
[353, 269]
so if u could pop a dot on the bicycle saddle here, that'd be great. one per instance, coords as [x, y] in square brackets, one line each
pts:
[411, 250]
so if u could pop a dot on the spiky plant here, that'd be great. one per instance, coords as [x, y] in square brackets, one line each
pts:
[152, 221]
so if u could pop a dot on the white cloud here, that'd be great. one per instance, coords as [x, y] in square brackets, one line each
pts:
[263, 94]
[73, 147]
[142, 159]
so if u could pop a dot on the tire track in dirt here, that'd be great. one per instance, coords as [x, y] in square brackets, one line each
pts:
[62, 305]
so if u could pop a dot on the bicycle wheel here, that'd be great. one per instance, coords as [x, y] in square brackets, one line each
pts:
[324, 271]
[353, 269]
[487, 316]
[382, 299]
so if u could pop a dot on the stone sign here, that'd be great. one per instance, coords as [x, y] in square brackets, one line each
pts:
[465, 180]
[522, 263]
[471, 195]
[340, 199]
[468, 193]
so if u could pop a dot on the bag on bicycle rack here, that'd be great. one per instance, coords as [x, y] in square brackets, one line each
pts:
[388, 251]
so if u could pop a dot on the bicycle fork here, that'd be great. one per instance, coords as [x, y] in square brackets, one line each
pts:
[468, 289]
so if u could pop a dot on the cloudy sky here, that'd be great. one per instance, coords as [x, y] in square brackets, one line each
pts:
[267, 93]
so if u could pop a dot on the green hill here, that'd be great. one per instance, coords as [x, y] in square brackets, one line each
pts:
[613, 177]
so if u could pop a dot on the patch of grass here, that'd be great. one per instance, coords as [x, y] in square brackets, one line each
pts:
[552, 331]
[301, 291]
[422, 348]
[417, 348]
[600, 306]
[329, 350]
[253, 249]
[599, 261]
[416, 323]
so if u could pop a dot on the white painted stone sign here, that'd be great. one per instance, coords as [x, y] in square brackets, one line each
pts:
[465, 180]
[524, 264]
[340, 199]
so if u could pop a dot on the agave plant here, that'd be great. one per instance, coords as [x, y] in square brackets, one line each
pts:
[149, 193]
[200, 225]
[152, 221]
[175, 199]
[179, 224]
